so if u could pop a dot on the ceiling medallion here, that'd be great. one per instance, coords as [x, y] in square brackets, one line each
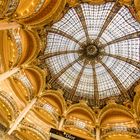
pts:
[92, 52]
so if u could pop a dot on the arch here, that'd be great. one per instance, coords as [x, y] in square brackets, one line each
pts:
[81, 109]
[58, 96]
[37, 78]
[29, 83]
[50, 11]
[28, 8]
[25, 46]
[80, 120]
[50, 107]
[113, 110]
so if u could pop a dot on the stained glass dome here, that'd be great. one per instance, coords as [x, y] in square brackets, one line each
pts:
[93, 52]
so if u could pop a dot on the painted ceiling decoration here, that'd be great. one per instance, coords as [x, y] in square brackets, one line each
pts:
[93, 52]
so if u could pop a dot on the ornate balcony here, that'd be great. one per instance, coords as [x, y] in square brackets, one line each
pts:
[10, 102]
[15, 36]
[39, 6]
[50, 109]
[26, 126]
[133, 131]
[13, 4]
[80, 125]
[26, 83]
[8, 7]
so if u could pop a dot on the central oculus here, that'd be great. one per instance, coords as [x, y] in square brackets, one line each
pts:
[91, 50]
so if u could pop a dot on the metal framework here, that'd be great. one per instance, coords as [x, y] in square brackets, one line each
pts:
[91, 54]
[110, 17]
[63, 70]
[77, 80]
[59, 32]
[81, 16]
[58, 53]
[117, 81]
[127, 60]
[95, 84]
[127, 37]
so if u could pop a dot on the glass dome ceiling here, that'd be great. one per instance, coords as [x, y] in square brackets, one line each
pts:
[93, 52]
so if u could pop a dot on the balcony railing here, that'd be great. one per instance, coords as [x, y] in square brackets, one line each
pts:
[26, 83]
[7, 99]
[15, 36]
[39, 6]
[121, 129]
[12, 6]
[50, 109]
[8, 7]
[80, 125]
[34, 128]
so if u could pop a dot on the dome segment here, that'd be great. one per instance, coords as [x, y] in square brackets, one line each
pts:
[93, 52]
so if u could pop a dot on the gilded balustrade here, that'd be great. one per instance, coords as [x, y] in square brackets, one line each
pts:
[5, 97]
[36, 129]
[8, 7]
[26, 83]
[121, 129]
[15, 36]
[80, 125]
[50, 109]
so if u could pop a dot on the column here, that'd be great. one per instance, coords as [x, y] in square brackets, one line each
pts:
[61, 123]
[8, 73]
[21, 116]
[97, 133]
[9, 25]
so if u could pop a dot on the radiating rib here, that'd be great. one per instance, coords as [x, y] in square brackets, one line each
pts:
[127, 37]
[109, 18]
[58, 53]
[81, 16]
[130, 61]
[77, 81]
[117, 81]
[64, 69]
[96, 93]
[59, 32]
